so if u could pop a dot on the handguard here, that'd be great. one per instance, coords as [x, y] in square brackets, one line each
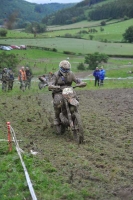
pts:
[53, 87]
[82, 84]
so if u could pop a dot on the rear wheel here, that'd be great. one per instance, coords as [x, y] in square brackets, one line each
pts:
[78, 132]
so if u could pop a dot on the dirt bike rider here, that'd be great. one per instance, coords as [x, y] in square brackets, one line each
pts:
[62, 78]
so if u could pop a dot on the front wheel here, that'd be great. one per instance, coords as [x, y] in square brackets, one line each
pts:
[78, 132]
[60, 129]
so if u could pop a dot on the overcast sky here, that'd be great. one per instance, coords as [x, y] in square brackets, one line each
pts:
[53, 1]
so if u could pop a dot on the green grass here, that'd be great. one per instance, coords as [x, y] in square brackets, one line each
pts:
[78, 46]
[112, 33]
[13, 182]
[43, 62]
[111, 84]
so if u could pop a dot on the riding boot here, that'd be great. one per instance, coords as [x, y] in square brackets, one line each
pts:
[56, 118]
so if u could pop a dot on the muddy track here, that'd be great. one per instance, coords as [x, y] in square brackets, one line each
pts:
[103, 164]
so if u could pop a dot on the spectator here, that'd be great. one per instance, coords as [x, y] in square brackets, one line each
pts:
[4, 79]
[11, 79]
[102, 75]
[22, 77]
[96, 74]
[28, 77]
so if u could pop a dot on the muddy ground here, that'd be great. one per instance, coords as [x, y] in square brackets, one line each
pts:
[103, 164]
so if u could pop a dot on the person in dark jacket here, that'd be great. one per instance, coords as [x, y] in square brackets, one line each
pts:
[102, 75]
[96, 74]
[28, 77]
[11, 79]
[4, 79]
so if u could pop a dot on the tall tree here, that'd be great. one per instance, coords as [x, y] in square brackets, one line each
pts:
[128, 35]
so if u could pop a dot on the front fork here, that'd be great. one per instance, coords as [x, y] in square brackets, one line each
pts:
[68, 114]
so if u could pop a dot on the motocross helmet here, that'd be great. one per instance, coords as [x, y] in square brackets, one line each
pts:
[64, 66]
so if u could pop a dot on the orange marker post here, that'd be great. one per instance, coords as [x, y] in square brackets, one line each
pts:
[9, 136]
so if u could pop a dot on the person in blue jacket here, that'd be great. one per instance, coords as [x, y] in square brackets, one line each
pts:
[96, 74]
[102, 75]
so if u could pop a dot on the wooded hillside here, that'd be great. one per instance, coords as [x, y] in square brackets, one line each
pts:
[26, 12]
[92, 10]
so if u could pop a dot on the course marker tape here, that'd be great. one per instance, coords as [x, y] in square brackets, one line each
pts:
[12, 132]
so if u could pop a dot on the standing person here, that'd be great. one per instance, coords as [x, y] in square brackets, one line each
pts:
[28, 77]
[102, 75]
[11, 79]
[22, 77]
[4, 79]
[62, 78]
[96, 74]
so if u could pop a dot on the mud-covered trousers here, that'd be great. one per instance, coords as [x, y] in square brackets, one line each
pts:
[10, 84]
[57, 103]
[28, 83]
[4, 85]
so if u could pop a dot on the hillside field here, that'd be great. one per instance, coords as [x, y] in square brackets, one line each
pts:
[78, 46]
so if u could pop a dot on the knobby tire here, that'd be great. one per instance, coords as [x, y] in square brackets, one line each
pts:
[78, 132]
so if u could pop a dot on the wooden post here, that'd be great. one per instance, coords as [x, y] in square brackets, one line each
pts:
[9, 137]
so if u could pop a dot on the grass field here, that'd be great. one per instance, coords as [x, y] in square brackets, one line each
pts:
[112, 33]
[78, 46]
[43, 62]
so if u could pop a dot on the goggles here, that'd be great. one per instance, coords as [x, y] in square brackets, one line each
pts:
[64, 70]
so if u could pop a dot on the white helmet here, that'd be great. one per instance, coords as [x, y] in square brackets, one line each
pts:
[65, 64]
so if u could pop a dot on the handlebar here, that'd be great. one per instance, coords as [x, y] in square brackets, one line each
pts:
[52, 87]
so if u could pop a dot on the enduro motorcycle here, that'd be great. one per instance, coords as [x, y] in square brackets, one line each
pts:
[43, 82]
[69, 115]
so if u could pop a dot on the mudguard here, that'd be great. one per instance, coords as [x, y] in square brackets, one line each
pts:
[73, 101]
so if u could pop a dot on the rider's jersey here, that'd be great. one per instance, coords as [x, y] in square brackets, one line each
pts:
[61, 80]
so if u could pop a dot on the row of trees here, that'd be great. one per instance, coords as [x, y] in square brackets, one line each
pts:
[66, 16]
[114, 10]
[88, 3]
